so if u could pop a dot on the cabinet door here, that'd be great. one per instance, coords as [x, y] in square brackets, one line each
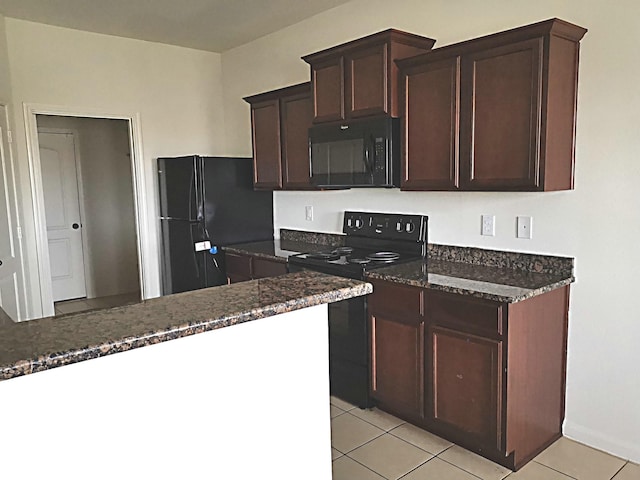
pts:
[267, 171]
[397, 347]
[296, 113]
[328, 90]
[465, 383]
[366, 82]
[263, 268]
[500, 117]
[430, 119]
[397, 359]
[238, 267]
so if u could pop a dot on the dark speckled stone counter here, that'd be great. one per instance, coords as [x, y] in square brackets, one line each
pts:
[37, 345]
[291, 242]
[278, 250]
[500, 284]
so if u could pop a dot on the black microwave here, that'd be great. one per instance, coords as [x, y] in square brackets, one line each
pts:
[359, 153]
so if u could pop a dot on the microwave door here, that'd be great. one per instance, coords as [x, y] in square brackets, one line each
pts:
[338, 163]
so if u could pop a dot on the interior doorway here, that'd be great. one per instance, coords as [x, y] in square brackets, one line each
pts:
[143, 257]
[89, 200]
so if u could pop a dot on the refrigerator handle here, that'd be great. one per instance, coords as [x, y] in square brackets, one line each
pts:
[199, 168]
[192, 194]
[193, 251]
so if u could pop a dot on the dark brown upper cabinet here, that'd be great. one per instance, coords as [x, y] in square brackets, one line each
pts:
[280, 120]
[359, 78]
[492, 113]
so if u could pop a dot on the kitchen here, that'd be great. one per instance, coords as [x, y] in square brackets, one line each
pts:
[596, 223]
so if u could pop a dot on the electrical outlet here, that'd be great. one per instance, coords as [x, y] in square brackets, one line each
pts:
[308, 213]
[524, 227]
[488, 225]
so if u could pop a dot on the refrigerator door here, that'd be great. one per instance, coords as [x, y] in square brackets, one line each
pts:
[183, 268]
[180, 188]
[234, 212]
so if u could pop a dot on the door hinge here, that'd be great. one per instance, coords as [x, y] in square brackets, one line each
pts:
[9, 136]
[19, 230]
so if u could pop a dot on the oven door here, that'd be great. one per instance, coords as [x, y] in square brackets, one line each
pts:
[349, 351]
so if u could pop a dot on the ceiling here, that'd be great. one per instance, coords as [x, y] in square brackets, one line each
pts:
[213, 25]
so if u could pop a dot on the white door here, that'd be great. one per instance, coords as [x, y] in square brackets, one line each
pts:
[11, 275]
[62, 209]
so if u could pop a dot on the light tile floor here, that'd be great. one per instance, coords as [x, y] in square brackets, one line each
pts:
[373, 445]
[84, 304]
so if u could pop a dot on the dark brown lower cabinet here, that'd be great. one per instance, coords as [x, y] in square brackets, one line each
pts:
[241, 268]
[396, 327]
[465, 384]
[488, 376]
[397, 364]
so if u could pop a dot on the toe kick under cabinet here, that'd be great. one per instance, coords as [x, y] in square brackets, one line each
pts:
[488, 376]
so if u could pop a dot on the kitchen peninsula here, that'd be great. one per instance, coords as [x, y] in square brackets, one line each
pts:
[200, 405]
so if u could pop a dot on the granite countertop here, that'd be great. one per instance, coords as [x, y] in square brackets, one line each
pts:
[500, 284]
[278, 250]
[37, 345]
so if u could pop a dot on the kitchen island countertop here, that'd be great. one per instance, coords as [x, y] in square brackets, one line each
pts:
[36, 345]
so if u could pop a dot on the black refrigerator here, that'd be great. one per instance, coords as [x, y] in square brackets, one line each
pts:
[205, 203]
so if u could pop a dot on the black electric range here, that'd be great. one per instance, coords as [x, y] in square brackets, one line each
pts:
[373, 240]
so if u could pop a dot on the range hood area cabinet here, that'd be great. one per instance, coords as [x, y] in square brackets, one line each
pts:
[486, 375]
[280, 120]
[493, 113]
[359, 78]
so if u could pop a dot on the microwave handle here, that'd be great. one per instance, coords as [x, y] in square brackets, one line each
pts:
[310, 164]
[369, 154]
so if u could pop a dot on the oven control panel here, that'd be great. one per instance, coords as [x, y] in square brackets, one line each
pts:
[391, 226]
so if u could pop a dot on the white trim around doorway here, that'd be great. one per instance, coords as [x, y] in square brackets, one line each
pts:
[143, 229]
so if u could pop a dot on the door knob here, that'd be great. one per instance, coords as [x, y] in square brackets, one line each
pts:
[0, 263]
[75, 226]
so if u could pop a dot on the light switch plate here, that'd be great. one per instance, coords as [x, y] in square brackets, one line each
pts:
[488, 225]
[524, 227]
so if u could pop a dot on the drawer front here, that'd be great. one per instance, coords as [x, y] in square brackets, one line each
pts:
[394, 299]
[268, 268]
[465, 313]
[238, 265]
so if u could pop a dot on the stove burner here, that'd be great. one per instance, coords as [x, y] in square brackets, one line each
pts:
[384, 256]
[327, 256]
[343, 250]
[359, 261]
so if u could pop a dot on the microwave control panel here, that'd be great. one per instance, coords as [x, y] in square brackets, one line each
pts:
[380, 154]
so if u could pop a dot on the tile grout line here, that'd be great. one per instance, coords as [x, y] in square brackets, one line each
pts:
[377, 426]
[390, 432]
[414, 469]
[625, 464]
[365, 443]
[556, 470]
[362, 464]
[467, 471]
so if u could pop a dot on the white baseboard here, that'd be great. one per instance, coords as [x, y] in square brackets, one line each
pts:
[614, 446]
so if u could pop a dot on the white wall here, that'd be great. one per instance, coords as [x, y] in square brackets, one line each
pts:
[598, 223]
[222, 404]
[109, 221]
[176, 91]
[5, 80]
